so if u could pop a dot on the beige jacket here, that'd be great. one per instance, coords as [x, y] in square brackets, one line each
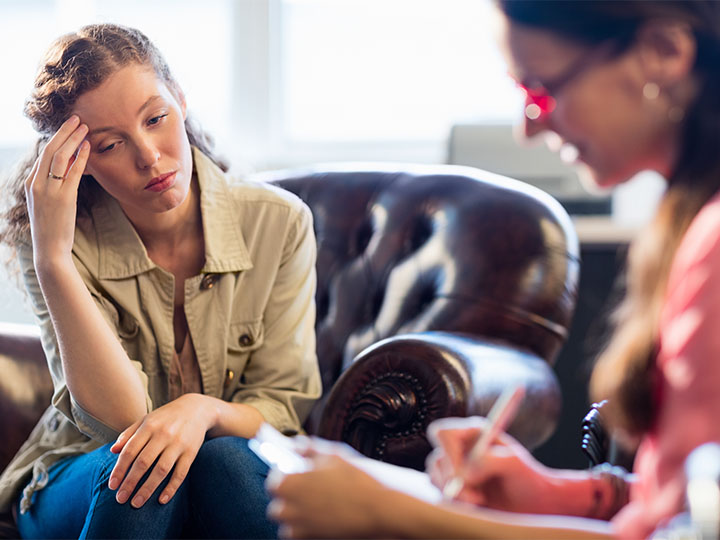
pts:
[250, 314]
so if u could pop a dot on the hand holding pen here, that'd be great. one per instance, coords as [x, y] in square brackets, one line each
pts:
[500, 416]
[501, 474]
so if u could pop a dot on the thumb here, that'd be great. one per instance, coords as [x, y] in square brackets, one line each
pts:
[456, 443]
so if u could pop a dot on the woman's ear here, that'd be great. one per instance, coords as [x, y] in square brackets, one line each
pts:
[667, 51]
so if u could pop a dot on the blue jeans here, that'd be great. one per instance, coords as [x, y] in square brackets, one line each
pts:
[223, 496]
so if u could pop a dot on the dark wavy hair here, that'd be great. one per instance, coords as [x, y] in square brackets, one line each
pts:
[74, 64]
[624, 372]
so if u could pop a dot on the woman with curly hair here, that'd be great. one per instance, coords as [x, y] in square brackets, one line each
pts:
[176, 307]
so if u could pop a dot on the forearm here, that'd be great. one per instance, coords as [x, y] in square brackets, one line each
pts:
[233, 419]
[403, 516]
[97, 371]
[597, 493]
[575, 493]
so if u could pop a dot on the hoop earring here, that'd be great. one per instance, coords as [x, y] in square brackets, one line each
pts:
[651, 90]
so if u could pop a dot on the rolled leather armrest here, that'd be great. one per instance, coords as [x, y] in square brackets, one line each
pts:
[384, 401]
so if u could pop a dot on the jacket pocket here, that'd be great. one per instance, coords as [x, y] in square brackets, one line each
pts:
[243, 339]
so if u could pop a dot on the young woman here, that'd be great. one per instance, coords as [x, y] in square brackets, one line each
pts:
[631, 85]
[176, 307]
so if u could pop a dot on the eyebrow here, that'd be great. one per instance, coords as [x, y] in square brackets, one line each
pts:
[145, 105]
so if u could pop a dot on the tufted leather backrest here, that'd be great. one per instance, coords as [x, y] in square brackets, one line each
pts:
[408, 249]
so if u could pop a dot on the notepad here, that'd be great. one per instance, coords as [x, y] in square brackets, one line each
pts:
[280, 453]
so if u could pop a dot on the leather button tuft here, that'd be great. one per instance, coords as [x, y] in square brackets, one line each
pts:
[229, 376]
[246, 340]
[208, 281]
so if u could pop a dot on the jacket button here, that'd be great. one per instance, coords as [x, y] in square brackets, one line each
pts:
[245, 340]
[54, 423]
[208, 281]
[229, 376]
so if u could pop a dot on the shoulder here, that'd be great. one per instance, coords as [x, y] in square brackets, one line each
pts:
[281, 213]
[700, 245]
[248, 197]
[250, 192]
[264, 215]
[694, 280]
[259, 204]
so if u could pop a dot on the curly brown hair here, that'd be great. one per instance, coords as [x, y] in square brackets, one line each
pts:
[74, 64]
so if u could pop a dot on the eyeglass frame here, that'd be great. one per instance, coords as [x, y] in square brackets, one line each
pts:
[542, 94]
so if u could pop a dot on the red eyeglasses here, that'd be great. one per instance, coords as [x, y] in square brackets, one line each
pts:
[539, 100]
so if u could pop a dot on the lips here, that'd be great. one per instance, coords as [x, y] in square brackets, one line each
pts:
[162, 182]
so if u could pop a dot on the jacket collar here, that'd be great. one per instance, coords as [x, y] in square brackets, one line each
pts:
[122, 253]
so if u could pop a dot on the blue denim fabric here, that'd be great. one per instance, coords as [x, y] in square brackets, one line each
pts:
[223, 496]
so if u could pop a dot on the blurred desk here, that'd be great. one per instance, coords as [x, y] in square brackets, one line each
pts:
[603, 230]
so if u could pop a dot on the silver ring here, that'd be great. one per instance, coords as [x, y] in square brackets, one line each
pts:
[55, 176]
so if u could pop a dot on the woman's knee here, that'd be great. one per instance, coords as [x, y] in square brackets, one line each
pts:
[223, 452]
[228, 486]
[103, 462]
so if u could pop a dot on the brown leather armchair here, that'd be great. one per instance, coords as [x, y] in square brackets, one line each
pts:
[437, 287]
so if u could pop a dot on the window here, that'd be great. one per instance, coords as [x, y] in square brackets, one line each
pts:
[195, 38]
[279, 82]
[390, 70]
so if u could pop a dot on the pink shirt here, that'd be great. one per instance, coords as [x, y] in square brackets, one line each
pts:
[688, 364]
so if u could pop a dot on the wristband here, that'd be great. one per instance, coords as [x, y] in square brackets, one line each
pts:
[612, 475]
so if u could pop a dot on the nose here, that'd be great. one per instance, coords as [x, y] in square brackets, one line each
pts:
[534, 121]
[147, 153]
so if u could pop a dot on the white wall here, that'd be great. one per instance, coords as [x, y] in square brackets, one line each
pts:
[13, 304]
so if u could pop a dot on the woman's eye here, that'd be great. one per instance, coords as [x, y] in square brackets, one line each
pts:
[106, 148]
[156, 119]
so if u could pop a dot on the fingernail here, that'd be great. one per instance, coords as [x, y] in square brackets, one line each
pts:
[138, 501]
[122, 497]
[302, 443]
[164, 499]
[113, 483]
[273, 480]
[274, 508]
[74, 118]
